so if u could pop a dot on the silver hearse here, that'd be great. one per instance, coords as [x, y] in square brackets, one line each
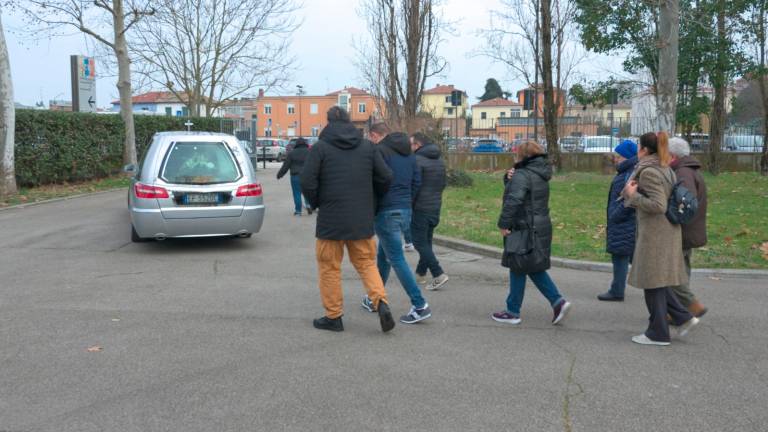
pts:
[194, 184]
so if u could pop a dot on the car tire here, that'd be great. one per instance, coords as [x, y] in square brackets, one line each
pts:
[135, 236]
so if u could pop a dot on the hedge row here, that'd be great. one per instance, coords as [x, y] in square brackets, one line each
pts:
[55, 147]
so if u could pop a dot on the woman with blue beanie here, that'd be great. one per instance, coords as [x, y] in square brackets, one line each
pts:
[620, 231]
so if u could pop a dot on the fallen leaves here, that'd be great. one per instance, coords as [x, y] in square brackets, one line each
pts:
[95, 348]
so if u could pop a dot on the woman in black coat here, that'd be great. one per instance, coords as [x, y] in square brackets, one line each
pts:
[526, 209]
[621, 227]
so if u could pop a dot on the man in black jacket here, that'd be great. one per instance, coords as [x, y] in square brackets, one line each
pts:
[342, 175]
[426, 209]
[294, 163]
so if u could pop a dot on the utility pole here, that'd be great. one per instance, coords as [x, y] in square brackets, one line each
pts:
[301, 93]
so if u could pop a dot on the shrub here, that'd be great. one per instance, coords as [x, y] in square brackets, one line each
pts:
[458, 178]
[55, 147]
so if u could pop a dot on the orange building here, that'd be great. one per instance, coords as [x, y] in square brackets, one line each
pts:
[292, 116]
[560, 95]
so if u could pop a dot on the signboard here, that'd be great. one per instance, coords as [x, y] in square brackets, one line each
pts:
[83, 83]
[615, 131]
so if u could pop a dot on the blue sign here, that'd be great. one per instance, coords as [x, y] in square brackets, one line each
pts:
[615, 131]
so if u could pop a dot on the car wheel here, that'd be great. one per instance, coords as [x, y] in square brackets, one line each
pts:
[135, 236]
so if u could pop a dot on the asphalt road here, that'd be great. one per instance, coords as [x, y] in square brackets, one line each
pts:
[216, 335]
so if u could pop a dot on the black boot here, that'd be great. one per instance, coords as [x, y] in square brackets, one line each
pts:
[609, 297]
[385, 317]
[331, 324]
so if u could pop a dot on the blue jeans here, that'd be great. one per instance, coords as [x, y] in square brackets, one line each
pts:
[620, 270]
[296, 188]
[517, 290]
[407, 236]
[389, 228]
[423, 227]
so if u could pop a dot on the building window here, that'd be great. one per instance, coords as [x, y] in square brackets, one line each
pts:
[519, 135]
[344, 101]
[269, 122]
[483, 116]
[315, 131]
[291, 109]
[448, 99]
[313, 108]
[267, 109]
[185, 111]
[168, 111]
[361, 108]
[267, 132]
[502, 114]
[449, 111]
[516, 112]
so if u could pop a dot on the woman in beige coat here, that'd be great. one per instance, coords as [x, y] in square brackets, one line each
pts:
[658, 261]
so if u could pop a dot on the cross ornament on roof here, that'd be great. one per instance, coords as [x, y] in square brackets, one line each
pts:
[189, 125]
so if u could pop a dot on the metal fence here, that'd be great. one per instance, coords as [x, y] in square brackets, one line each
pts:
[588, 134]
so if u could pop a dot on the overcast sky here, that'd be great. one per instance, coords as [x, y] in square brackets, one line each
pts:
[323, 46]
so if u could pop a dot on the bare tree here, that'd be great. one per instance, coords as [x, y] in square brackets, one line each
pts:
[207, 52]
[669, 38]
[401, 52]
[753, 29]
[106, 21]
[550, 50]
[7, 121]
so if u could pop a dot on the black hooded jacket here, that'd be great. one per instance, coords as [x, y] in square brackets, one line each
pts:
[396, 151]
[527, 194]
[430, 196]
[295, 160]
[342, 176]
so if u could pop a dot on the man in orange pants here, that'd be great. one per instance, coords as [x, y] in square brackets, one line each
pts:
[342, 176]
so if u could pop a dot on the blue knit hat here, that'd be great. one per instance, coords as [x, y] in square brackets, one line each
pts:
[627, 149]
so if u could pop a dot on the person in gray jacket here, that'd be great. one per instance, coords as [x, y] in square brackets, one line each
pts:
[426, 209]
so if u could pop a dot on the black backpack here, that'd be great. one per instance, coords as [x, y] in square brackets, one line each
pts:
[682, 204]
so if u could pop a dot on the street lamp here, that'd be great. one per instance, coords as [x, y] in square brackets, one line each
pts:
[300, 90]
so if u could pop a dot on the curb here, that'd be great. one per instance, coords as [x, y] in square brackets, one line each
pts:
[495, 253]
[54, 200]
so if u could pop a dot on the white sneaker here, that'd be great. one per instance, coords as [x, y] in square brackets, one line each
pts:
[643, 340]
[408, 247]
[687, 326]
[437, 282]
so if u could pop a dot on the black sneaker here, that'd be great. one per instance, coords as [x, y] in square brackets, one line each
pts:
[609, 297]
[385, 317]
[331, 324]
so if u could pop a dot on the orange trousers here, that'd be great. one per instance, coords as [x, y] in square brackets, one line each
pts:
[362, 255]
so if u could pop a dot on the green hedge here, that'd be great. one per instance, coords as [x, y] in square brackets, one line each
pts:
[55, 147]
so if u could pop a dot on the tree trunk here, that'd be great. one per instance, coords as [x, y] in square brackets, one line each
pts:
[719, 82]
[124, 83]
[7, 122]
[669, 35]
[550, 105]
[764, 96]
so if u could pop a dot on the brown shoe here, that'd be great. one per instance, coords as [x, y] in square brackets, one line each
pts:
[697, 309]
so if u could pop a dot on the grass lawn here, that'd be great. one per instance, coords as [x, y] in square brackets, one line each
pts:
[737, 217]
[42, 193]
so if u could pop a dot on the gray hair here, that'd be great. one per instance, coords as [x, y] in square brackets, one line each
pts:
[679, 147]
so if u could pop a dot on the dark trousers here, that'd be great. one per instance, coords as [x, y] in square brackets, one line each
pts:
[660, 302]
[620, 270]
[422, 229]
[296, 189]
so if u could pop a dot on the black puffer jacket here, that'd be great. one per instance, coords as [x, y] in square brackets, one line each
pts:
[432, 167]
[295, 160]
[622, 221]
[526, 194]
[342, 176]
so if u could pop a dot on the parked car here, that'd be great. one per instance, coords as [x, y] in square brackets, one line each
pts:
[743, 143]
[488, 146]
[599, 144]
[570, 144]
[271, 149]
[292, 142]
[194, 184]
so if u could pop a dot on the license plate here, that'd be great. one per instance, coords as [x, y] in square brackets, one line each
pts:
[201, 198]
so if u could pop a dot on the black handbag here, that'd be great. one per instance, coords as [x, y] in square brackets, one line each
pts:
[521, 254]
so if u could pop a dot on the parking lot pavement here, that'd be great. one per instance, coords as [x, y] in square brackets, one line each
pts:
[216, 335]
